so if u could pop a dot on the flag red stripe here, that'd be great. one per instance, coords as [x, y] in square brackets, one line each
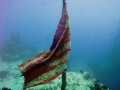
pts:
[20, 66]
[65, 40]
[38, 61]
[66, 30]
[56, 57]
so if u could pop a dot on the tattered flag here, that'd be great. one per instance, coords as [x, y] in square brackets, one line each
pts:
[48, 65]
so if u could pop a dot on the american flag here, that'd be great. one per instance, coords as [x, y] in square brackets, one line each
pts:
[48, 65]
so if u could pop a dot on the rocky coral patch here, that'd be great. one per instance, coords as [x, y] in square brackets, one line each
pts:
[75, 80]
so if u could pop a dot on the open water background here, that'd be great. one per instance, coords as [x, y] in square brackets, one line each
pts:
[95, 32]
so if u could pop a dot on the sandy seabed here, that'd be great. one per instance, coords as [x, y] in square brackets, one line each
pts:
[9, 78]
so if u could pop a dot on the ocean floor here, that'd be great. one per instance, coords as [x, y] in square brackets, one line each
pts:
[10, 78]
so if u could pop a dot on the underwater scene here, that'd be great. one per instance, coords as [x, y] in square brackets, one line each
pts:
[59, 44]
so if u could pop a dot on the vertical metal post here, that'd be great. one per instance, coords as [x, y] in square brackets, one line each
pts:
[64, 83]
[64, 0]
[64, 3]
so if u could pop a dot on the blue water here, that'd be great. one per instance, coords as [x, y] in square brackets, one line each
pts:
[95, 32]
